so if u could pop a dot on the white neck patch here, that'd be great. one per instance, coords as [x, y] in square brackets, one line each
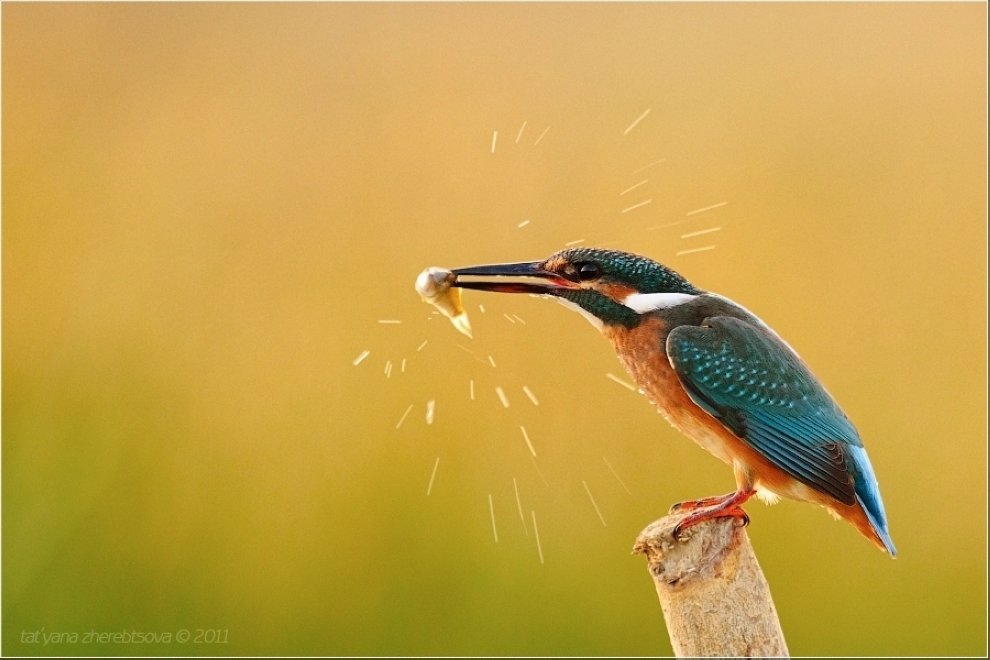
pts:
[649, 302]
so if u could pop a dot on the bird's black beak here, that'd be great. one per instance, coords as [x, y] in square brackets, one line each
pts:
[540, 281]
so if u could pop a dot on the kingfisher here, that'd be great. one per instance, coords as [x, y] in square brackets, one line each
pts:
[719, 375]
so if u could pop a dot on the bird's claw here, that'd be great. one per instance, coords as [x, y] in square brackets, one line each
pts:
[703, 503]
[680, 529]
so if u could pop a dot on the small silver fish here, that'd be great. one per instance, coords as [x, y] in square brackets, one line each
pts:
[435, 286]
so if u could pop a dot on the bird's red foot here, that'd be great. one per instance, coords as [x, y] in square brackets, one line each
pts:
[727, 506]
[703, 503]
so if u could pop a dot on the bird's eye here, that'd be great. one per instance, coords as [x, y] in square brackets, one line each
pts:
[588, 270]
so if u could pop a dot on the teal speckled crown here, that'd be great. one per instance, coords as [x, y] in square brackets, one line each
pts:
[642, 274]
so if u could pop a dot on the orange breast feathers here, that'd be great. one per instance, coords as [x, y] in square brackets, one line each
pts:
[643, 351]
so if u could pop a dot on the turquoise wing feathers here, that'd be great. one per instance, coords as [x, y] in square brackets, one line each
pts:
[748, 379]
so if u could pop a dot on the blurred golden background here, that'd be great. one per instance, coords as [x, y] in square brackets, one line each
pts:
[208, 208]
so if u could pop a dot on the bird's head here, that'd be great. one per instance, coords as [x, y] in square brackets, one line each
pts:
[609, 286]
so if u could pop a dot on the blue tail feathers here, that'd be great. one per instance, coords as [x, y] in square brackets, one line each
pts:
[868, 495]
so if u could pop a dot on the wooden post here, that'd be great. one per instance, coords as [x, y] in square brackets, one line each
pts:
[714, 597]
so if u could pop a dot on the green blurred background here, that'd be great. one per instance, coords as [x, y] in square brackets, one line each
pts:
[207, 209]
